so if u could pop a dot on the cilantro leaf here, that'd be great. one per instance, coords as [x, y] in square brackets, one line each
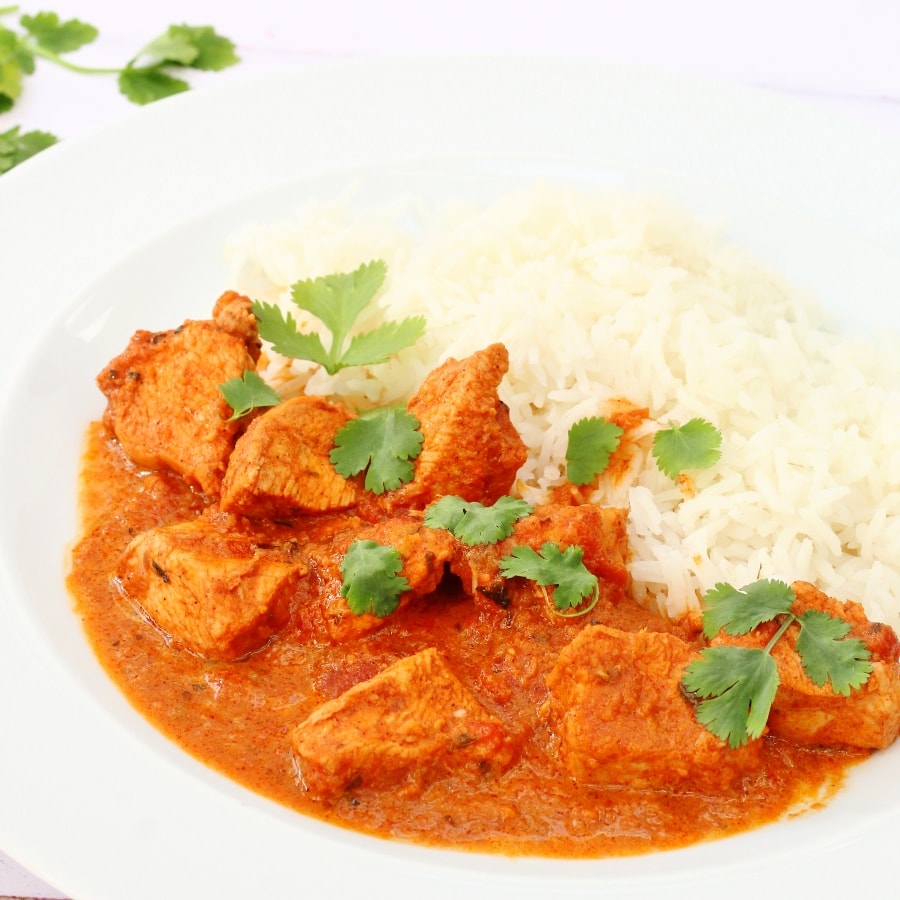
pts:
[472, 522]
[337, 300]
[741, 683]
[371, 578]
[213, 51]
[591, 443]
[171, 47]
[14, 49]
[382, 441]
[248, 392]
[145, 85]
[740, 611]
[280, 330]
[828, 655]
[563, 569]
[55, 36]
[46, 36]
[737, 680]
[694, 445]
[379, 345]
[16, 60]
[196, 46]
[16, 147]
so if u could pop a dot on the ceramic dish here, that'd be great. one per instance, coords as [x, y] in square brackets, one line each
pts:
[125, 229]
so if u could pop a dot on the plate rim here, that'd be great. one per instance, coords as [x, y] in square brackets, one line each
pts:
[41, 176]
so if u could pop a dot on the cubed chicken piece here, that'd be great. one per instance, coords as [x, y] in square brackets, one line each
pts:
[470, 447]
[600, 531]
[281, 466]
[408, 726]
[425, 553]
[803, 712]
[164, 403]
[617, 706]
[219, 593]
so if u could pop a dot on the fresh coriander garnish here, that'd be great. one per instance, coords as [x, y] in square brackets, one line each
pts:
[248, 392]
[591, 443]
[371, 578]
[146, 77]
[381, 441]
[564, 570]
[16, 147]
[738, 684]
[738, 612]
[50, 35]
[829, 655]
[694, 445]
[42, 35]
[474, 523]
[337, 300]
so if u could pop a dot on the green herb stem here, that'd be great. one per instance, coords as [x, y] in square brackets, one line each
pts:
[788, 621]
[37, 50]
[572, 615]
[738, 684]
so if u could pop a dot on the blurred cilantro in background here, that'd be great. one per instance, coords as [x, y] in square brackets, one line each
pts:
[151, 74]
[16, 147]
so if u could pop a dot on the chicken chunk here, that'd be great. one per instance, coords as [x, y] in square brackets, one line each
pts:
[220, 593]
[425, 553]
[163, 399]
[805, 713]
[281, 465]
[615, 703]
[599, 531]
[470, 447]
[402, 729]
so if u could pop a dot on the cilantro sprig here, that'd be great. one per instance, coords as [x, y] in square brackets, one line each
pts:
[383, 442]
[591, 443]
[829, 655]
[563, 570]
[738, 684]
[143, 79]
[694, 445]
[738, 612]
[474, 523]
[372, 582]
[16, 146]
[247, 392]
[337, 300]
[148, 76]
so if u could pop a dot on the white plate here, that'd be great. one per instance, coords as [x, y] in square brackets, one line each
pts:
[125, 228]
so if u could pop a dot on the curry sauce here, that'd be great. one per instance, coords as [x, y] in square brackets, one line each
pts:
[236, 716]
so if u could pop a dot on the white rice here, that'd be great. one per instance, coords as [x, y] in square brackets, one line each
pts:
[602, 296]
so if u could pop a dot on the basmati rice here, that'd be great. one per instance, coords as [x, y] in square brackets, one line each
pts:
[605, 296]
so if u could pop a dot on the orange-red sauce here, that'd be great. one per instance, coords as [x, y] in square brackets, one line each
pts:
[236, 716]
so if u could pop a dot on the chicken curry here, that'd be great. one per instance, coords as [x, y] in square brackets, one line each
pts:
[232, 582]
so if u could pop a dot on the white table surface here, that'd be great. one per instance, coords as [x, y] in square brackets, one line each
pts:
[836, 54]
